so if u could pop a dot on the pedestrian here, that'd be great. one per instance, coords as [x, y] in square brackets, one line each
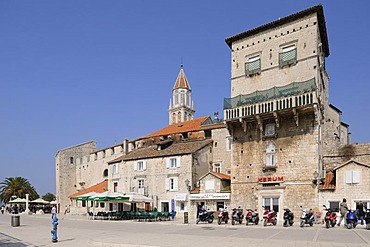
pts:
[2, 209]
[343, 208]
[360, 211]
[53, 212]
[66, 209]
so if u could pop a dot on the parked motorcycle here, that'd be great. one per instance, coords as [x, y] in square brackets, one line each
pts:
[269, 216]
[205, 216]
[288, 217]
[367, 219]
[330, 217]
[252, 217]
[237, 216]
[351, 219]
[307, 217]
[223, 216]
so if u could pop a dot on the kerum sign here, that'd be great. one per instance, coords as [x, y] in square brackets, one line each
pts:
[210, 196]
[270, 179]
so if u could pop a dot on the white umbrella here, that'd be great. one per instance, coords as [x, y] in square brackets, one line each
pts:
[139, 198]
[18, 200]
[86, 196]
[109, 196]
[39, 201]
[54, 202]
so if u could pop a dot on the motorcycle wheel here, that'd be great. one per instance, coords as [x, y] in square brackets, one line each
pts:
[311, 223]
[327, 224]
[285, 223]
[274, 222]
[368, 226]
[232, 222]
[256, 222]
[210, 221]
[333, 224]
[349, 225]
[302, 223]
[226, 221]
[219, 221]
[240, 221]
[246, 222]
[197, 221]
[265, 223]
[291, 223]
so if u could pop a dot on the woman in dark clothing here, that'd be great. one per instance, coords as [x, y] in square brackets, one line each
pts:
[360, 211]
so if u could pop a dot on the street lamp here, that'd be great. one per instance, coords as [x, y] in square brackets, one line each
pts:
[187, 182]
[315, 178]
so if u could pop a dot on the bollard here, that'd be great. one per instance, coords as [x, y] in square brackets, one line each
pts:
[186, 217]
[15, 220]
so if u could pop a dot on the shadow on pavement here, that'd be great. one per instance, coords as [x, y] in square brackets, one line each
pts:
[9, 241]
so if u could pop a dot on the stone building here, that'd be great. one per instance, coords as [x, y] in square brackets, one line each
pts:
[279, 113]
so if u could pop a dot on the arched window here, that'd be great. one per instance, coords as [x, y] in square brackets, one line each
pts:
[270, 155]
[105, 173]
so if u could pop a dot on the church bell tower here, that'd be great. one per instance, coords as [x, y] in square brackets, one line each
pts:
[181, 107]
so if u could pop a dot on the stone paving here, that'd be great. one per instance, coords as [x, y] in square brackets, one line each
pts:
[34, 230]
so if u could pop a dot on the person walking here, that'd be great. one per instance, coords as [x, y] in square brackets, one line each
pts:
[66, 209]
[343, 208]
[53, 212]
[360, 211]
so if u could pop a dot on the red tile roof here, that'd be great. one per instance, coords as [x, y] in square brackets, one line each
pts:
[329, 182]
[183, 127]
[98, 188]
[221, 175]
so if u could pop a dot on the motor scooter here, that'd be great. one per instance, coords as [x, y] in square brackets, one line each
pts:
[351, 219]
[330, 217]
[205, 216]
[237, 216]
[223, 216]
[288, 217]
[307, 217]
[367, 219]
[269, 216]
[252, 217]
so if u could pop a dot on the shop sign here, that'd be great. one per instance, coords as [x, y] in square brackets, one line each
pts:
[210, 196]
[180, 197]
[271, 179]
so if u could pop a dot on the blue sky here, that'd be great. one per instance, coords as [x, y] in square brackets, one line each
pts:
[72, 71]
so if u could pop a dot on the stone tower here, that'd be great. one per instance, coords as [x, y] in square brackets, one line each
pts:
[181, 107]
[278, 111]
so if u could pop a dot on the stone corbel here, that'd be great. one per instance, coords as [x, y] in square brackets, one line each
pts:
[244, 125]
[276, 119]
[260, 124]
[296, 117]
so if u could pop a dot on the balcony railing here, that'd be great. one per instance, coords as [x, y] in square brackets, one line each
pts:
[277, 98]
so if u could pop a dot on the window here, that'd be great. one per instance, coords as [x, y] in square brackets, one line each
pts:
[270, 155]
[105, 173]
[334, 206]
[140, 165]
[173, 162]
[115, 185]
[271, 203]
[288, 55]
[253, 66]
[229, 142]
[115, 169]
[70, 160]
[217, 168]
[171, 184]
[353, 177]
[140, 186]
[270, 129]
[210, 185]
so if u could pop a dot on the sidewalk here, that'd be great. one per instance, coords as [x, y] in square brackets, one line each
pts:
[34, 230]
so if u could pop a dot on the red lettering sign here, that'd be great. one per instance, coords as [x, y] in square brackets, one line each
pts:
[271, 179]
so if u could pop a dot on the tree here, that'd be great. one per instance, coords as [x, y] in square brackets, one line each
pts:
[16, 186]
[49, 197]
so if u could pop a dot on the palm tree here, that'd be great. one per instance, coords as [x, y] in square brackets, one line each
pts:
[16, 186]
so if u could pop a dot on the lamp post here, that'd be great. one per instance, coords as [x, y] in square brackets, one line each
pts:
[187, 182]
[315, 178]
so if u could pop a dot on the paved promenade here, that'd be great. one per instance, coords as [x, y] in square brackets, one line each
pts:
[34, 230]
